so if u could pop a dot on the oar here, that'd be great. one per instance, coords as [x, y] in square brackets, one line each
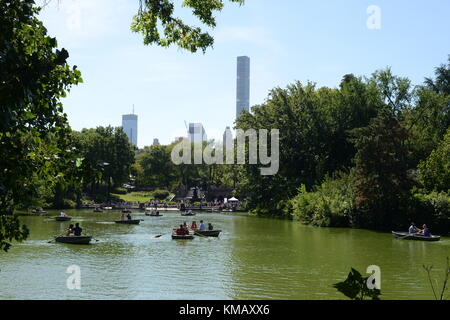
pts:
[199, 234]
[408, 235]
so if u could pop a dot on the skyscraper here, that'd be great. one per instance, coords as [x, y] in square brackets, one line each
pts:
[196, 133]
[243, 85]
[129, 126]
[227, 139]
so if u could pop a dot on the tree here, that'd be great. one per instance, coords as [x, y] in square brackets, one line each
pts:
[157, 167]
[34, 75]
[107, 157]
[430, 118]
[442, 82]
[381, 170]
[314, 125]
[158, 25]
[434, 172]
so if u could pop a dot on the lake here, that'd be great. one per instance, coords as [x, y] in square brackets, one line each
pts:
[254, 258]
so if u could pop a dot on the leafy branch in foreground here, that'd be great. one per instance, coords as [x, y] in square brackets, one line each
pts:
[446, 278]
[10, 230]
[34, 77]
[355, 287]
[154, 15]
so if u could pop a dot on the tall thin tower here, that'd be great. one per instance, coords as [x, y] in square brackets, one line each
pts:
[130, 126]
[243, 85]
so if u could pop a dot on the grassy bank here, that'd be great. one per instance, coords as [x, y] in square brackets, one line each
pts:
[139, 196]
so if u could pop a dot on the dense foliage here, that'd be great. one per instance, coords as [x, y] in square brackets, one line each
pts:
[106, 157]
[34, 76]
[381, 139]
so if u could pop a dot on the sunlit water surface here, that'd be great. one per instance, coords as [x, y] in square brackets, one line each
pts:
[254, 258]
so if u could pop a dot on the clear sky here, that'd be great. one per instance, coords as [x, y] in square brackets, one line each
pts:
[287, 40]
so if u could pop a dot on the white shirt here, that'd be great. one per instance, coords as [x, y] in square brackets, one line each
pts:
[413, 229]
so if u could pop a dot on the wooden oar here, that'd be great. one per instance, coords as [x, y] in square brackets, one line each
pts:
[408, 235]
[199, 234]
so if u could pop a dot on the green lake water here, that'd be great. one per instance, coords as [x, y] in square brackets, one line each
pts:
[254, 258]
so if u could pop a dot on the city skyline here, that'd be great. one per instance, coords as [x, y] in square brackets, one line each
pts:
[297, 41]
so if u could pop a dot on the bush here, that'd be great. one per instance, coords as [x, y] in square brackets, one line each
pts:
[68, 204]
[120, 191]
[330, 205]
[160, 194]
[432, 209]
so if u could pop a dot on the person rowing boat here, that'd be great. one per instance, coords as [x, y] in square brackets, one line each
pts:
[70, 231]
[413, 229]
[182, 230]
[425, 231]
[77, 230]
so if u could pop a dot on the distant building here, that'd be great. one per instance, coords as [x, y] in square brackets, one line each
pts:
[179, 139]
[156, 142]
[243, 85]
[130, 127]
[196, 133]
[227, 139]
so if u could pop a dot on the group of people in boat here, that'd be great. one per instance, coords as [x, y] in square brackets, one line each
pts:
[124, 217]
[184, 229]
[74, 230]
[423, 232]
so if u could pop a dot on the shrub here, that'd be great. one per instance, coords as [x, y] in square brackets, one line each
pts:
[68, 204]
[160, 194]
[120, 191]
[432, 209]
[330, 205]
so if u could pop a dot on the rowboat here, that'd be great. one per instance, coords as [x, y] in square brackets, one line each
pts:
[153, 215]
[126, 211]
[38, 211]
[188, 214]
[58, 218]
[74, 239]
[183, 237]
[414, 236]
[208, 233]
[107, 208]
[128, 221]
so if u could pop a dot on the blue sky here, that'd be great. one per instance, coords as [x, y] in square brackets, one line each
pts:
[287, 40]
